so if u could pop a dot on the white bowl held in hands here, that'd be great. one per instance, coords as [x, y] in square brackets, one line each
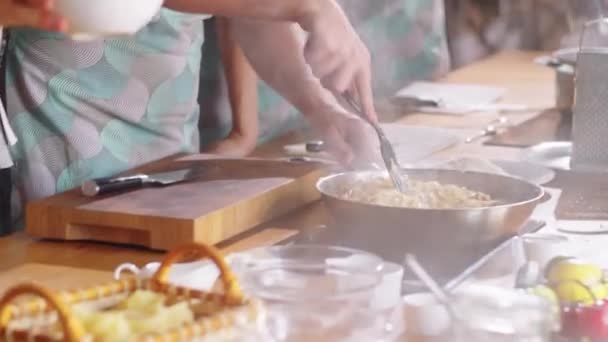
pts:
[89, 19]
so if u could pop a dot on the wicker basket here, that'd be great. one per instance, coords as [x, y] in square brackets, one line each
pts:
[215, 313]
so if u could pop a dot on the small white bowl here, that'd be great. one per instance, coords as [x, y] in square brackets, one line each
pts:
[388, 293]
[199, 275]
[542, 248]
[90, 19]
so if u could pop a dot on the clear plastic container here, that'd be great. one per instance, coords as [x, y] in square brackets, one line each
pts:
[316, 293]
[487, 313]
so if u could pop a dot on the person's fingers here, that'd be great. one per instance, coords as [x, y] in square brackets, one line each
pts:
[46, 5]
[333, 81]
[325, 68]
[363, 89]
[28, 15]
[337, 146]
[322, 57]
[314, 52]
[52, 22]
[23, 16]
[364, 144]
[341, 79]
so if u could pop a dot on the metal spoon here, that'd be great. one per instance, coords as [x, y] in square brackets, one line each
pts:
[600, 8]
[489, 130]
[599, 4]
[532, 226]
[430, 283]
[386, 149]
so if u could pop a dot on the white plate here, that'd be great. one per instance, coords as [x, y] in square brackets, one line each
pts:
[583, 227]
[199, 275]
[457, 99]
[555, 154]
[532, 173]
[411, 143]
[529, 172]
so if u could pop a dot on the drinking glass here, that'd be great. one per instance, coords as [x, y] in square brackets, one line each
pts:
[315, 293]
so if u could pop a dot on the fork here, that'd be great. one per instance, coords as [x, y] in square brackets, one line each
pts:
[386, 149]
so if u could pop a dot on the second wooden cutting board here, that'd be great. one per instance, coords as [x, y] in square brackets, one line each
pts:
[230, 197]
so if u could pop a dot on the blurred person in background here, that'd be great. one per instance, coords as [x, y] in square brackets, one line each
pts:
[407, 41]
[228, 85]
[480, 28]
[89, 109]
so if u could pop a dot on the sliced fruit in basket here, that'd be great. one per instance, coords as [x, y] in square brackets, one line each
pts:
[570, 292]
[562, 269]
[130, 309]
[107, 326]
[545, 292]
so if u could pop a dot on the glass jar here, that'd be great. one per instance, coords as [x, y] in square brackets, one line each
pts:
[487, 313]
[315, 293]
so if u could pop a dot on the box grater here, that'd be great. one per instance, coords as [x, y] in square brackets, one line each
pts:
[590, 120]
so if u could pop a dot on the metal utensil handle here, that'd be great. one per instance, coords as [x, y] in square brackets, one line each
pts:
[600, 8]
[491, 129]
[359, 112]
[532, 226]
[386, 148]
[102, 186]
[416, 102]
[475, 137]
[431, 284]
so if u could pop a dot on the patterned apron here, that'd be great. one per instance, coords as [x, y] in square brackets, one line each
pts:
[87, 109]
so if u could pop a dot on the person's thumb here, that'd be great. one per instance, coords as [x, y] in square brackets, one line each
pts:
[338, 147]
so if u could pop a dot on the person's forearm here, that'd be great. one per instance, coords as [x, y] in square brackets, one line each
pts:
[274, 50]
[300, 11]
[242, 85]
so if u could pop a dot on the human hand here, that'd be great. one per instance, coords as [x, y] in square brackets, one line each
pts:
[234, 145]
[337, 56]
[31, 13]
[348, 138]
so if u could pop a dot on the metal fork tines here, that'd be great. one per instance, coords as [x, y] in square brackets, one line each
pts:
[386, 149]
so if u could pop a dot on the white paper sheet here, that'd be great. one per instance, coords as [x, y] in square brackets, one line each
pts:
[455, 99]
[411, 143]
[414, 143]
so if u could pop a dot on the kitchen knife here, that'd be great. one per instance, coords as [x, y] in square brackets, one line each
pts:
[102, 186]
[414, 102]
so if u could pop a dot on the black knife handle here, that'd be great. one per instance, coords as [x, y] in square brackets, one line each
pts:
[103, 186]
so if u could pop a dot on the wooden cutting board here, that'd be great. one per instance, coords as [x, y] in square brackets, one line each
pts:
[228, 198]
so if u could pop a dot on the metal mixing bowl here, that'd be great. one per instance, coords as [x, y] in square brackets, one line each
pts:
[447, 237]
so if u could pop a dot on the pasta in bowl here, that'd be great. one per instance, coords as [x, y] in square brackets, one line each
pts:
[422, 195]
[449, 213]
